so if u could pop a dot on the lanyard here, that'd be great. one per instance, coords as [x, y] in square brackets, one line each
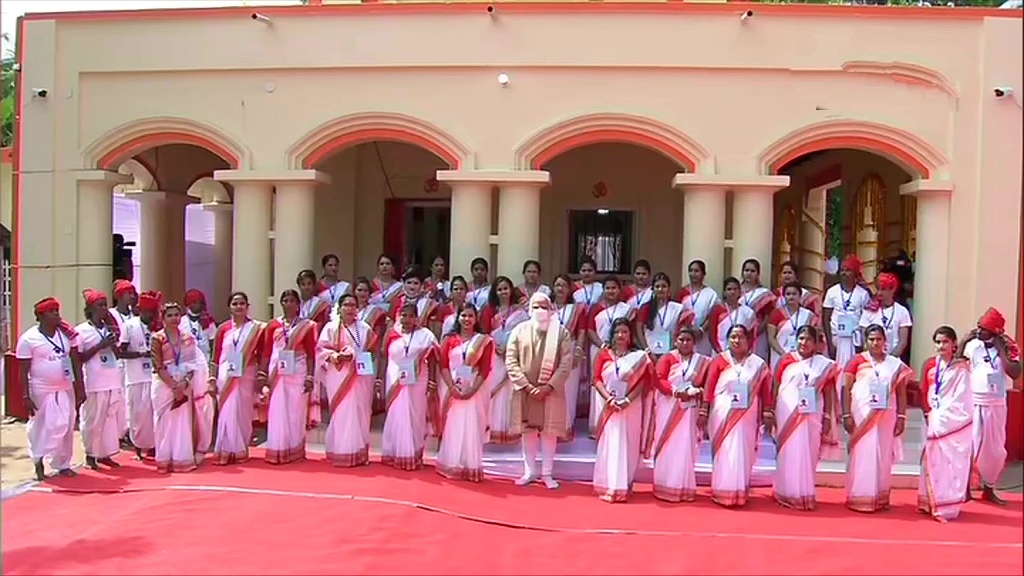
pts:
[504, 317]
[333, 291]
[989, 358]
[407, 342]
[846, 301]
[465, 349]
[748, 297]
[307, 308]
[238, 335]
[355, 338]
[587, 290]
[686, 367]
[608, 315]
[147, 335]
[176, 352]
[794, 321]
[616, 363]
[640, 296]
[59, 347]
[662, 316]
[694, 296]
[939, 371]
[887, 322]
[193, 325]
[288, 329]
[103, 331]
[561, 314]
[874, 368]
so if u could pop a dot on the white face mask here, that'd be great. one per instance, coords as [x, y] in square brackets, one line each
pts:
[540, 315]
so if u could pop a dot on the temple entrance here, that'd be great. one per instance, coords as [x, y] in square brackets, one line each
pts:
[422, 230]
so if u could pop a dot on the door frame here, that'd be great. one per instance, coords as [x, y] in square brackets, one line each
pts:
[396, 224]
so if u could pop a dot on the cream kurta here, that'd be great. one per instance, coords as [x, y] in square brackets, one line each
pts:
[524, 356]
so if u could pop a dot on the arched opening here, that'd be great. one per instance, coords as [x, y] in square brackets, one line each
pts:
[167, 236]
[612, 201]
[383, 197]
[840, 202]
[846, 201]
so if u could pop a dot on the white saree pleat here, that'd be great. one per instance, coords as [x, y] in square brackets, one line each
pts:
[174, 450]
[675, 463]
[618, 453]
[234, 418]
[798, 455]
[348, 431]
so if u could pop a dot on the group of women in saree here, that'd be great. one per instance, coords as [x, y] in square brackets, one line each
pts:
[663, 373]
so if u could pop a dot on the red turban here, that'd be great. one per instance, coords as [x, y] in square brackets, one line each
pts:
[194, 296]
[888, 281]
[853, 263]
[122, 287]
[47, 305]
[92, 296]
[150, 301]
[992, 321]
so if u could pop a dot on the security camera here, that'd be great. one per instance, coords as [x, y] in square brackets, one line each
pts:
[748, 14]
[492, 11]
[261, 18]
[39, 92]
[1003, 91]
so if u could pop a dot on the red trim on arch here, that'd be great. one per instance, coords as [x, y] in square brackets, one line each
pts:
[613, 135]
[854, 142]
[111, 160]
[381, 135]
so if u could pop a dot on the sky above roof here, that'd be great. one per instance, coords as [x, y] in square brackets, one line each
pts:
[10, 10]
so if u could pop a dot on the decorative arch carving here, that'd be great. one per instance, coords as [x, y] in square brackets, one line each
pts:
[354, 129]
[560, 137]
[903, 72]
[119, 145]
[909, 151]
[145, 178]
[208, 191]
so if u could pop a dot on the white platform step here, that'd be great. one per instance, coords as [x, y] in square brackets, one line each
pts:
[574, 460]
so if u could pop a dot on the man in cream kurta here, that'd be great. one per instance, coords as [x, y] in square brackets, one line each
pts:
[538, 358]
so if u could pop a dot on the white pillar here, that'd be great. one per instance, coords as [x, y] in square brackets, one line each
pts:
[753, 218]
[812, 238]
[294, 216]
[95, 233]
[518, 227]
[222, 246]
[153, 232]
[932, 264]
[250, 242]
[704, 231]
[471, 225]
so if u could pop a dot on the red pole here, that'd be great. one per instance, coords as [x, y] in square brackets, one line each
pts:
[14, 388]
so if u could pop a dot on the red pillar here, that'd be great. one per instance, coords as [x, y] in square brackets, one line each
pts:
[14, 388]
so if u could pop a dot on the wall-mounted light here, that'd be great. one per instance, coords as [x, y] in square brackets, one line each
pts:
[503, 79]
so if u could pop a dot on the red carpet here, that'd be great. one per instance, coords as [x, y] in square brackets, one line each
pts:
[131, 521]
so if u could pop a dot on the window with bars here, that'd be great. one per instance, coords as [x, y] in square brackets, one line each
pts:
[604, 235]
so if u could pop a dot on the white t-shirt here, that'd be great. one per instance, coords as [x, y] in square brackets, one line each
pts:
[137, 370]
[49, 360]
[102, 372]
[847, 307]
[121, 321]
[892, 319]
[203, 337]
[989, 380]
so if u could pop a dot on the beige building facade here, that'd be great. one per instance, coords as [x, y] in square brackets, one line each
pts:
[508, 130]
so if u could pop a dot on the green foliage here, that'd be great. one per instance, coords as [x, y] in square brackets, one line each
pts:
[834, 218]
[7, 83]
